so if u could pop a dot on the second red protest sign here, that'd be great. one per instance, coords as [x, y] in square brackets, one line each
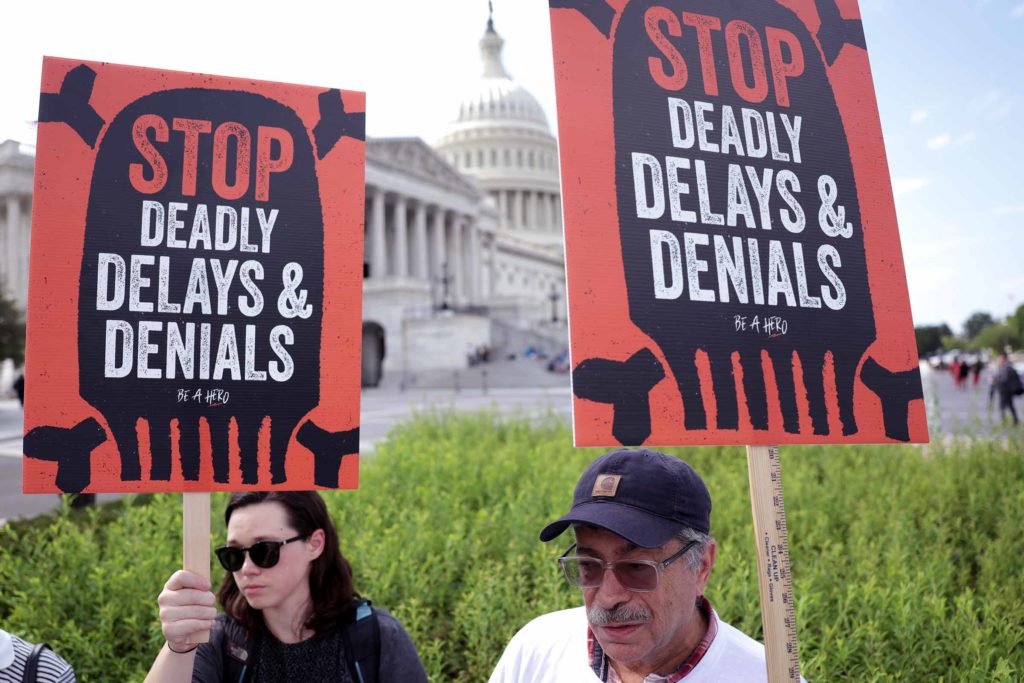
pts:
[734, 265]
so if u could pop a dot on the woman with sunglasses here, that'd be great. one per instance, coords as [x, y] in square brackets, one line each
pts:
[291, 612]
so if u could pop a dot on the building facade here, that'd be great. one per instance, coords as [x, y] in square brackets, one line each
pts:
[16, 176]
[500, 138]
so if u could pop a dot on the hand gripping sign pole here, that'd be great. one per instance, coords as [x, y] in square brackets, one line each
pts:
[206, 238]
[733, 262]
[196, 541]
[778, 613]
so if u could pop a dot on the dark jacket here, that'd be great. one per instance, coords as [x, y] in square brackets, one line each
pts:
[399, 661]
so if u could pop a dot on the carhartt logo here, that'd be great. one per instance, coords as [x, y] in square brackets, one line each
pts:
[606, 485]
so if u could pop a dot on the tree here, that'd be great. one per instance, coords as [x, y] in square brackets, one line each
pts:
[929, 338]
[12, 330]
[976, 323]
[997, 337]
[1016, 321]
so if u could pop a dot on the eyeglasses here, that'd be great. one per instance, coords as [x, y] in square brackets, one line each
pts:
[264, 554]
[639, 576]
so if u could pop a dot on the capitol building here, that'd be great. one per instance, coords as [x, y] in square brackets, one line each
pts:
[463, 244]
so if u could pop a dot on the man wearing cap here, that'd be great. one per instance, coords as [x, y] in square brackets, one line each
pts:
[642, 557]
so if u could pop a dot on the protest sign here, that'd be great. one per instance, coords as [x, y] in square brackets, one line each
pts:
[734, 266]
[196, 283]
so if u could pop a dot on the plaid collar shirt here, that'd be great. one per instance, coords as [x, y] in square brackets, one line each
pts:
[602, 667]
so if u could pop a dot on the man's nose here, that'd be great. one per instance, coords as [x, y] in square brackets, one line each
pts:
[611, 592]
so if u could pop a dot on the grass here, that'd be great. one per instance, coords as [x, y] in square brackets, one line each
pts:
[906, 563]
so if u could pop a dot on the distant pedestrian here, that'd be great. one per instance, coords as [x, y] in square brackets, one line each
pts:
[20, 661]
[19, 388]
[963, 371]
[1006, 385]
[976, 369]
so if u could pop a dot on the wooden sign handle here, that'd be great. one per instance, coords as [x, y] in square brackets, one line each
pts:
[778, 615]
[196, 542]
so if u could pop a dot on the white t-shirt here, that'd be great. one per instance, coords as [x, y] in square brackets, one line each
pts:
[553, 649]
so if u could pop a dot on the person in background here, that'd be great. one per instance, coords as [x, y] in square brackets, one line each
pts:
[963, 370]
[21, 661]
[291, 612]
[642, 557]
[1006, 385]
[976, 369]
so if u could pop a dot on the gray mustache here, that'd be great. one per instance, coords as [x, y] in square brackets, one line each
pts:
[599, 616]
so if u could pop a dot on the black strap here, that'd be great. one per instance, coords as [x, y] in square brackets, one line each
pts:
[32, 663]
[362, 643]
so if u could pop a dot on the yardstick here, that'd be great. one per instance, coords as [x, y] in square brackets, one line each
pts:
[778, 614]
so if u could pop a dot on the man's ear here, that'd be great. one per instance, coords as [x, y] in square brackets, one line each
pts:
[707, 563]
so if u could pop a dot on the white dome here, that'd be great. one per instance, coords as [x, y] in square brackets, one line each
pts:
[496, 98]
[501, 99]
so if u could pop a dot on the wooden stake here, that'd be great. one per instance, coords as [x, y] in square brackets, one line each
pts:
[196, 542]
[778, 615]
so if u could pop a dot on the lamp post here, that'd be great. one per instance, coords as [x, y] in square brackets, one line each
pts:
[554, 296]
[445, 279]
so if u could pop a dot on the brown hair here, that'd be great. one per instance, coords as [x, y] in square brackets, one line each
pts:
[331, 586]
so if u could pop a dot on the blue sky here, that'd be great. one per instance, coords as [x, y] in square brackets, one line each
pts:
[947, 75]
[951, 96]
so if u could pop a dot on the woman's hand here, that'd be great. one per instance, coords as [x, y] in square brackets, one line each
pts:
[186, 609]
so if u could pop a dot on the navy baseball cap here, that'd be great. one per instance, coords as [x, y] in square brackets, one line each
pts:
[642, 495]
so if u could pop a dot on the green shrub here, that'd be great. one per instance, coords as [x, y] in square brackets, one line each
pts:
[907, 562]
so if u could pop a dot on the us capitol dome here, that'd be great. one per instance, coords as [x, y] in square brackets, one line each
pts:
[500, 137]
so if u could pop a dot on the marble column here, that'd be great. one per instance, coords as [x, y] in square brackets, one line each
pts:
[455, 266]
[378, 254]
[11, 248]
[437, 256]
[517, 210]
[502, 209]
[420, 268]
[475, 264]
[401, 254]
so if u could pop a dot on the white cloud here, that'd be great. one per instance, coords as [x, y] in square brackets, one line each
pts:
[939, 141]
[1018, 11]
[967, 138]
[908, 185]
[1008, 210]
[918, 115]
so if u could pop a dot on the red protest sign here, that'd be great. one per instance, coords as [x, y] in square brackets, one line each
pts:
[196, 283]
[734, 265]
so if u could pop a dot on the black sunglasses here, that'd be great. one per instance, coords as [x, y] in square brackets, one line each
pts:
[264, 554]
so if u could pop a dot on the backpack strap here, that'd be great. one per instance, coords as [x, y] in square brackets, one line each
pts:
[237, 653]
[32, 663]
[361, 632]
